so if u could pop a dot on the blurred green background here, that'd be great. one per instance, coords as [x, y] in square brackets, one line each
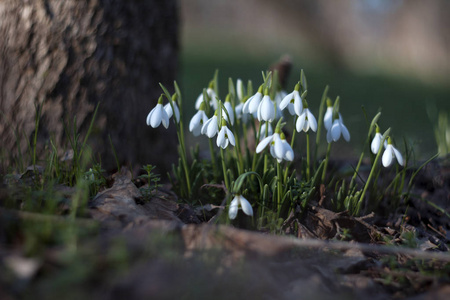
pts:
[388, 55]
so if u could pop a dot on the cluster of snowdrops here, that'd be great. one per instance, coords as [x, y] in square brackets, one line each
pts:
[262, 115]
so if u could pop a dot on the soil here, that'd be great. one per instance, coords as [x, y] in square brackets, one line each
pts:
[129, 247]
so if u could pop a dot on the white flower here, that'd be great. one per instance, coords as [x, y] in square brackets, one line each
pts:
[239, 114]
[240, 89]
[293, 102]
[225, 135]
[211, 94]
[328, 118]
[306, 120]
[376, 142]
[389, 154]
[252, 103]
[336, 130]
[230, 112]
[211, 127]
[279, 96]
[169, 111]
[279, 148]
[266, 110]
[157, 116]
[288, 152]
[239, 201]
[197, 121]
[266, 130]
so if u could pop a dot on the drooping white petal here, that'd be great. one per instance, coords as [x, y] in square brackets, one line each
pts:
[335, 130]
[298, 104]
[230, 136]
[266, 130]
[199, 101]
[255, 101]
[329, 137]
[239, 89]
[345, 132]
[246, 206]
[230, 112]
[246, 107]
[300, 122]
[387, 156]
[221, 140]
[328, 118]
[288, 152]
[210, 128]
[233, 210]
[266, 110]
[311, 120]
[169, 111]
[376, 142]
[149, 116]
[398, 155]
[286, 100]
[197, 121]
[164, 118]
[211, 94]
[157, 116]
[279, 150]
[263, 144]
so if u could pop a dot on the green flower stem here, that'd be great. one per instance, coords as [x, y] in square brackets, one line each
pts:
[372, 126]
[224, 169]
[266, 162]
[239, 163]
[237, 148]
[279, 189]
[244, 133]
[320, 121]
[372, 172]
[293, 132]
[182, 151]
[257, 134]
[213, 158]
[308, 163]
[326, 162]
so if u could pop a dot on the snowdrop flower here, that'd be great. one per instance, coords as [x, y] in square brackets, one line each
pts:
[279, 147]
[279, 96]
[328, 117]
[211, 95]
[338, 128]
[240, 90]
[158, 115]
[211, 127]
[230, 111]
[293, 101]
[239, 201]
[266, 130]
[306, 120]
[389, 154]
[197, 121]
[169, 111]
[252, 104]
[239, 115]
[225, 136]
[376, 142]
[266, 109]
[288, 153]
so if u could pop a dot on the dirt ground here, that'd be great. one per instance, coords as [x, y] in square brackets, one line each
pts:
[129, 248]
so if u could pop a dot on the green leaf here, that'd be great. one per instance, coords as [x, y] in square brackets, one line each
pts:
[303, 80]
[240, 181]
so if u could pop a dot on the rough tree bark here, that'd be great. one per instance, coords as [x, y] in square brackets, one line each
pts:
[70, 55]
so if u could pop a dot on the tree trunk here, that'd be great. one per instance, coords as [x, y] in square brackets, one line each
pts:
[70, 55]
